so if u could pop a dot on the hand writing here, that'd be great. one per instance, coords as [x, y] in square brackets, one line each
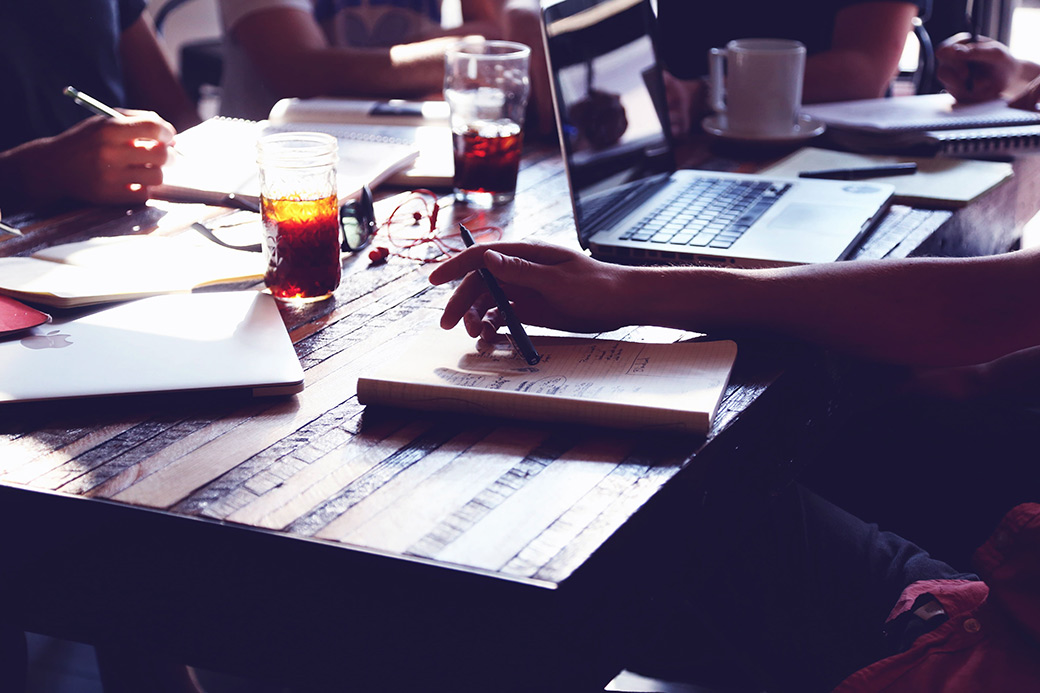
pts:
[548, 286]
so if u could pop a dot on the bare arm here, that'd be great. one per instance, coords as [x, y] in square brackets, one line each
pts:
[151, 83]
[291, 52]
[99, 161]
[925, 312]
[864, 56]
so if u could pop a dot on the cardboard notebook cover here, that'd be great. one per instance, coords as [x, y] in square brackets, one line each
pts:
[121, 268]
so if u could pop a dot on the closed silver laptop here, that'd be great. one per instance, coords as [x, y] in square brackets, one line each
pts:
[179, 342]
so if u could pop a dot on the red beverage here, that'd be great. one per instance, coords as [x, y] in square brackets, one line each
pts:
[487, 158]
[302, 247]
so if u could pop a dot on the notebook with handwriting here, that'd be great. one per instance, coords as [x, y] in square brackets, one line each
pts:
[665, 387]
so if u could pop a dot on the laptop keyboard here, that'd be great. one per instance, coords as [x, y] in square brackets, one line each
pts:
[711, 212]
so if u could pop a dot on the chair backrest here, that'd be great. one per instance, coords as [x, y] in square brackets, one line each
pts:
[941, 20]
[200, 59]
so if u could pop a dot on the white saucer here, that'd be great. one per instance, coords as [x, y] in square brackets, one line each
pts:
[806, 128]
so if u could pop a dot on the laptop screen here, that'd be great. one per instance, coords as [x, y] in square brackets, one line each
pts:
[610, 101]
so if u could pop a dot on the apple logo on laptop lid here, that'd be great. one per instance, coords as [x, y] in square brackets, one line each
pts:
[55, 339]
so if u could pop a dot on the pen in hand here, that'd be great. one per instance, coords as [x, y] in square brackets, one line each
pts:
[520, 339]
[9, 230]
[974, 19]
[90, 103]
[97, 107]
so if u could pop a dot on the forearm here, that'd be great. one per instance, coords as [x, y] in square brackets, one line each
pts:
[21, 184]
[151, 82]
[843, 76]
[401, 71]
[866, 45]
[918, 312]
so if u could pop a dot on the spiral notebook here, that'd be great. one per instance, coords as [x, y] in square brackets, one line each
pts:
[218, 157]
[929, 124]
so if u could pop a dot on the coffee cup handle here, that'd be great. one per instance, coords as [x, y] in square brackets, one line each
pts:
[717, 78]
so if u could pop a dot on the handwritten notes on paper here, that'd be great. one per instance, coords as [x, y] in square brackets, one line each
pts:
[637, 385]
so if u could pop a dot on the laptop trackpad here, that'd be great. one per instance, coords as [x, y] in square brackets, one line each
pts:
[806, 217]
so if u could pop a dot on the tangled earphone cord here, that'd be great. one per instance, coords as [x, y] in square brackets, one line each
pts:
[404, 244]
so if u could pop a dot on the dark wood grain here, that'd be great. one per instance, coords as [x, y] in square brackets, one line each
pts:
[321, 481]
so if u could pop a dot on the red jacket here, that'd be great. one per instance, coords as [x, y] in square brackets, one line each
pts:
[991, 641]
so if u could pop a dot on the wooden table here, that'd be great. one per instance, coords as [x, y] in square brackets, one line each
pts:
[311, 541]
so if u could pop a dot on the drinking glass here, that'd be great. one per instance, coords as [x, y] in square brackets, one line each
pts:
[300, 211]
[486, 85]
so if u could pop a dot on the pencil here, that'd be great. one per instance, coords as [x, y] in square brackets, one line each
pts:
[520, 339]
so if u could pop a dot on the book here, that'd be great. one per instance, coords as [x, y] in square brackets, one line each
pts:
[360, 111]
[939, 183]
[218, 157]
[918, 113]
[121, 268]
[672, 387]
[17, 317]
[425, 124]
[928, 124]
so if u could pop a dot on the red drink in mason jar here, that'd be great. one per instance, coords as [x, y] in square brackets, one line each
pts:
[302, 247]
[487, 158]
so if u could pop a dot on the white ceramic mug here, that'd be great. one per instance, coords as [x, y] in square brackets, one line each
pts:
[756, 85]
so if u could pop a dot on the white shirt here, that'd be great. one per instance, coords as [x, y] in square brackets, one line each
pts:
[363, 23]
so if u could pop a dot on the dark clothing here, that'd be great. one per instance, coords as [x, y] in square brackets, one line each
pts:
[47, 45]
[940, 473]
[795, 591]
[988, 636]
[688, 30]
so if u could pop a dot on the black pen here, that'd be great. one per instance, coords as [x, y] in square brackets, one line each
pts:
[520, 339]
[974, 18]
[864, 172]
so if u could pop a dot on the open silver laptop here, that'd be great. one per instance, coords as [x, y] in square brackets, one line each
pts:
[177, 342]
[630, 204]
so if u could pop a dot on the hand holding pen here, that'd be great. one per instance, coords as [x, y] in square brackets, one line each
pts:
[520, 340]
[974, 68]
[106, 161]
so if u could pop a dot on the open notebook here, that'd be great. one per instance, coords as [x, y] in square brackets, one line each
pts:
[218, 157]
[120, 268]
[662, 387]
[423, 123]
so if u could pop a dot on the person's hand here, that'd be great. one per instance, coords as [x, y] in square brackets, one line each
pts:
[548, 286]
[974, 72]
[1029, 99]
[100, 160]
[686, 103]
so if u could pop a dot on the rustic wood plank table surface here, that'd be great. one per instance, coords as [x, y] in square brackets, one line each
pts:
[307, 540]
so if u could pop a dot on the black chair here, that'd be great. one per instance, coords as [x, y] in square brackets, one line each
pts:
[943, 19]
[201, 61]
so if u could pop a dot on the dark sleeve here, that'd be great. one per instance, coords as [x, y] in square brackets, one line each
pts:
[129, 12]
